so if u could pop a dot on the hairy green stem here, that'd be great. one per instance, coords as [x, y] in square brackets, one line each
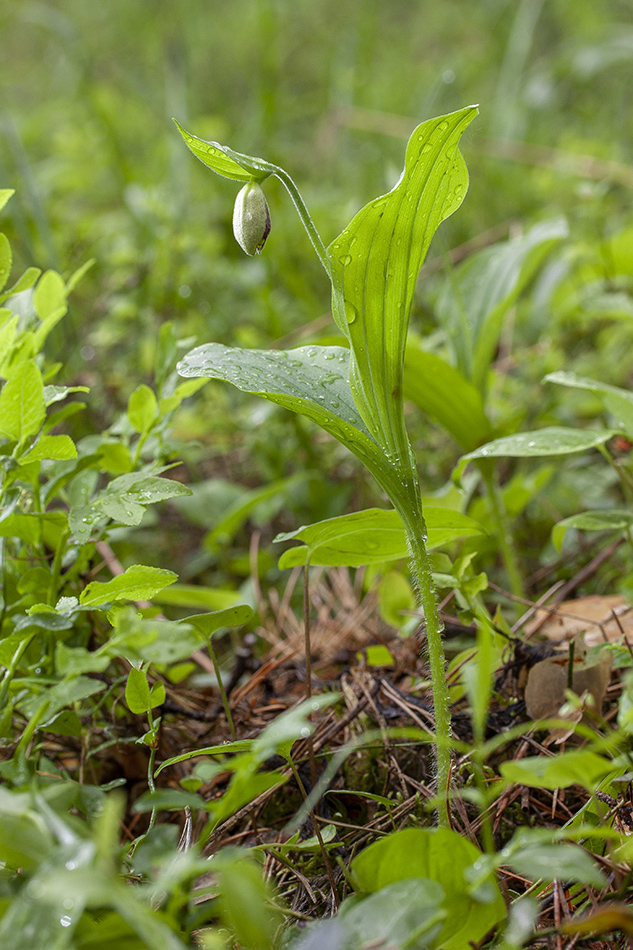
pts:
[421, 569]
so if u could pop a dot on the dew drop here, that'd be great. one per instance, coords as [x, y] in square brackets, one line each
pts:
[443, 126]
[531, 445]
[65, 921]
[350, 312]
[347, 259]
[426, 150]
[305, 732]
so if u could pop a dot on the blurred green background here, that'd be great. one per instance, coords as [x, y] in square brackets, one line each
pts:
[329, 89]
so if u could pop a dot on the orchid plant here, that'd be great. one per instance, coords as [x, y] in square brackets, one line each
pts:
[355, 392]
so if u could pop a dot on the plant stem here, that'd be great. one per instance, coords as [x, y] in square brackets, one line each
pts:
[308, 658]
[506, 540]
[306, 220]
[224, 697]
[421, 569]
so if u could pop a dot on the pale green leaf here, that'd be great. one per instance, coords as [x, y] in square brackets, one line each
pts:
[237, 513]
[25, 282]
[549, 862]
[583, 767]
[395, 599]
[23, 526]
[137, 692]
[142, 410]
[6, 260]
[5, 194]
[50, 447]
[151, 640]
[22, 408]
[613, 519]
[619, 402]
[194, 595]
[555, 440]
[219, 158]
[405, 914]
[49, 297]
[139, 582]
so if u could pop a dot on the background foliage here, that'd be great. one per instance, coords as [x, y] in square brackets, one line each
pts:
[329, 90]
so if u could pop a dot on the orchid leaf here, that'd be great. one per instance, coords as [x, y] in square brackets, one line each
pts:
[375, 264]
[370, 537]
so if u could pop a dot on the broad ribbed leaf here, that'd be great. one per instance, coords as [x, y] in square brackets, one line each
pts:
[555, 440]
[375, 264]
[370, 537]
[310, 380]
[444, 393]
[476, 298]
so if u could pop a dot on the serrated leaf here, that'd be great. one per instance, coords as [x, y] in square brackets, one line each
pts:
[375, 264]
[139, 582]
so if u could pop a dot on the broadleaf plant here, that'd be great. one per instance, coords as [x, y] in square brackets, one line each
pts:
[357, 395]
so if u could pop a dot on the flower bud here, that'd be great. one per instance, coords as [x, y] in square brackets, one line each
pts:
[251, 219]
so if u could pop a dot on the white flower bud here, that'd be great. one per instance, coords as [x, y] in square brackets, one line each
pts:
[251, 219]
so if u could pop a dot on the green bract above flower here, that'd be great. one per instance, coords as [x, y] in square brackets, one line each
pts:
[251, 219]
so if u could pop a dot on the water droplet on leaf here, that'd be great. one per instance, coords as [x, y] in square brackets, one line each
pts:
[350, 312]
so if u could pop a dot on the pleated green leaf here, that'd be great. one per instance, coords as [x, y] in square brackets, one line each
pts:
[375, 264]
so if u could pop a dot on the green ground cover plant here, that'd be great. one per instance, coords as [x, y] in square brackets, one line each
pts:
[177, 767]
